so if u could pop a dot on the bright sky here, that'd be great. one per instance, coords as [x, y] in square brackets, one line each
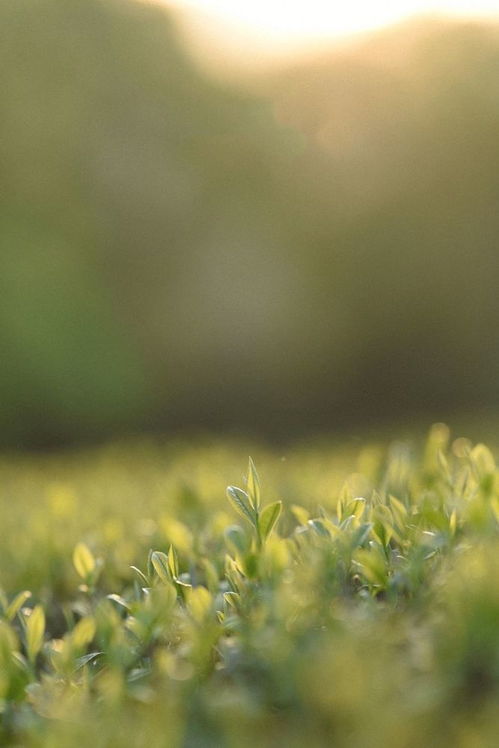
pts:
[303, 20]
[229, 33]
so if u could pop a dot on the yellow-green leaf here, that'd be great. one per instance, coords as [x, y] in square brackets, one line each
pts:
[199, 602]
[302, 515]
[237, 540]
[483, 459]
[35, 630]
[253, 485]
[83, 561]
[161, 565]
[173, 562]
[16, 605]
[268, 518]
[241, 503]
[83, 632]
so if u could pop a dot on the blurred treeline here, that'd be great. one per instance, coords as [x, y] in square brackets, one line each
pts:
[319, 248]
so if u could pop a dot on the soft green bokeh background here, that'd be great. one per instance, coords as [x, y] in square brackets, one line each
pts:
[314, 248]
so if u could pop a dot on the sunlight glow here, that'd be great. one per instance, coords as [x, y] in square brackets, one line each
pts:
[308, 19]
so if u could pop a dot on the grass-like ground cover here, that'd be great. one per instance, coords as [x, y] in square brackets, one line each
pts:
[346, 599]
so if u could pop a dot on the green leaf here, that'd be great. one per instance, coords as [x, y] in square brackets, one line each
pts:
[35, 630]
[119, 601]
[360, 535]
[184, 580]
[319, 527]
[86, 659]
[161, 565]
[144, 580]
[356, 507]
[301, 515]
[173, 562]
[251, 565]
[372, 563]
[232, 599]
[483, 458]
[241, 503]
[233, 574]
[83, 561]
[237, 540]
[268, 518]
[16, 605]
[399, 511]
[253, 485]
[83, 632]
[199, 602]
[168, 597]
[211, 574]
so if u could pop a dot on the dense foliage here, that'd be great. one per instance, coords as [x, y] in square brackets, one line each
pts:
[361, 610]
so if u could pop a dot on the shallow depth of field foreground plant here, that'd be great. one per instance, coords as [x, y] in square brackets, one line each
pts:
[357, 614]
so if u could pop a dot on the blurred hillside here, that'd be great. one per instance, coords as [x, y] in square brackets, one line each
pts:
[318, 249]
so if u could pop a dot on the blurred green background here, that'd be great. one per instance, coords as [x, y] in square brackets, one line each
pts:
[313, 248]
